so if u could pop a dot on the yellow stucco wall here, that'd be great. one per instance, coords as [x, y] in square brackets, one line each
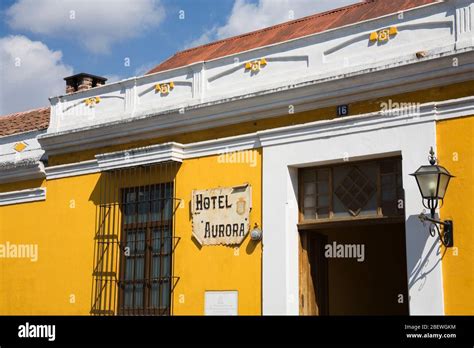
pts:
[217, 267]
[63, 227]
[455, 144]
[21, 185]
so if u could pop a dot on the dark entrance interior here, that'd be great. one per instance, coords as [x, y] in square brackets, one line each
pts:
[334, 282]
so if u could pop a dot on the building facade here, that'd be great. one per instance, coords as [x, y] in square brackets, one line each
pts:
[147, 196]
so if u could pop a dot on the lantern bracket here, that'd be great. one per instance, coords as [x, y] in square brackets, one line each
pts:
[446, 237]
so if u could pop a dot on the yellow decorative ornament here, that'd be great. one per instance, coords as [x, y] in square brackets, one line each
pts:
[374, 36]
[256, 65]
[92, 101]
[383, 34]
[164, 88]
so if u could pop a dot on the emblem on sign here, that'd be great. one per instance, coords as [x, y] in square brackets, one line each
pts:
[221, 215]
[241, 206]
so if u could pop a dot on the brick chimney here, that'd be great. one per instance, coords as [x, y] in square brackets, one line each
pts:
[82, 82]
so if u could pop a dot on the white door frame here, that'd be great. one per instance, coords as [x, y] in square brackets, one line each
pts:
[324, 142]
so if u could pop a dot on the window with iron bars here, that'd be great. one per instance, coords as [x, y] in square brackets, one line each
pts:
[145, 285]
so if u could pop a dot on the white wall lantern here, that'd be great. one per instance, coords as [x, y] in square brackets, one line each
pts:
[433, 182]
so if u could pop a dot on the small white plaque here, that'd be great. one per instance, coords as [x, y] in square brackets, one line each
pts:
[221, 302]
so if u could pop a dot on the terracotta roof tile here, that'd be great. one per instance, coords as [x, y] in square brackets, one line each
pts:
[25, 121]
[313, 24]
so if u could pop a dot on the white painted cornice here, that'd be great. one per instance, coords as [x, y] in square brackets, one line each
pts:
[429, 112]
[221, 146]
[458, 107]
[343, 89]
[21, 165]
[23, 196]
[31, 171]
[175, 152]
[140, 156]
[154, 154]
[72, 169]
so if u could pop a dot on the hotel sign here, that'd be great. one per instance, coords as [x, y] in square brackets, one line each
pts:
[221, 215]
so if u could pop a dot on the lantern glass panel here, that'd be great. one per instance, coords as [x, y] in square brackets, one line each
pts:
[427, 183]
[443, 185]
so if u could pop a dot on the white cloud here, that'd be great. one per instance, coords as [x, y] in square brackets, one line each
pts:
[111, 78]
[144, 68]
[248, 16]
[31, 73]
[96, 24]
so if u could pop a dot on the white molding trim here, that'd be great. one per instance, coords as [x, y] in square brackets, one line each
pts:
[139, 156]
[23, 196]
[21, 173]
[72, 169]
[173, 151]
[176, 152]
[428, 112]
[221, 146]
[454, 108]
[25, 165]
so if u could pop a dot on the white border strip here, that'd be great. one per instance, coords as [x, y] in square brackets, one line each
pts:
[23, 196]
[433, 111]
[21, 173]
[139, 156]
[72, 169]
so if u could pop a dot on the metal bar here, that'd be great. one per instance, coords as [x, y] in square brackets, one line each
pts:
[149, 243]
[122, 245]
[160, 178]
[93, 297]
[101, 249]
[134, 240]
[107, 245]
[112, 233]
[170, 201]
[424, 217]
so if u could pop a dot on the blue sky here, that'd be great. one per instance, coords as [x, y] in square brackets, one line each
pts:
[42, 41]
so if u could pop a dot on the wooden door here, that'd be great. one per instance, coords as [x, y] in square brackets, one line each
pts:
[313, 274]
